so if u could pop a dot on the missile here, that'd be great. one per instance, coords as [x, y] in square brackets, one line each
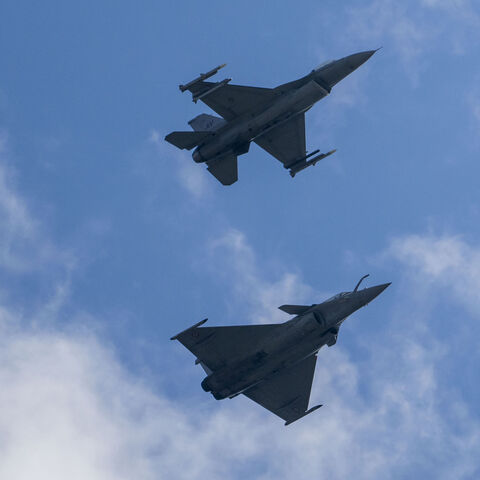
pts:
[201, 77]
[302, 164]
[302, 159]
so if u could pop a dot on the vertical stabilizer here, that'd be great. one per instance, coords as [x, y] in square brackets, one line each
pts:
[206, 123]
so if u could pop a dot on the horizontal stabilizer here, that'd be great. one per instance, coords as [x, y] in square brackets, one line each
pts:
[295, 309]
[186, 140]
[206, 123]
[224, 169]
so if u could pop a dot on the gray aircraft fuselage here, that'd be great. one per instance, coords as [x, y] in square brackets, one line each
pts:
[302, 337]
[293, 99]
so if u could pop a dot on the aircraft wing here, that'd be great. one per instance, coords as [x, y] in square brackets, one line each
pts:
[286, 393]
[231, 101]
[285, 142]
[214, 346]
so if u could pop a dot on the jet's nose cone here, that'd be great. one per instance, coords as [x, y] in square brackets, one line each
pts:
[359, 58]
[336, 71]
[372, 292]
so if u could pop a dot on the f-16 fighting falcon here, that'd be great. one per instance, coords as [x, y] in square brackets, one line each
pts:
[273, 364]
[273, 118]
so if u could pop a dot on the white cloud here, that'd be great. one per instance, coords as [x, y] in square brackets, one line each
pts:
[413, 29]
[237, 261]
[23, 245]
[442, 261]
[382, 19]
[191, 176]
[389, 411]
[17, 227]
[68, 409]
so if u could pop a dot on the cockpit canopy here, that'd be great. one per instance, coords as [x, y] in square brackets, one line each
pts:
[337, 296]
[324, 64]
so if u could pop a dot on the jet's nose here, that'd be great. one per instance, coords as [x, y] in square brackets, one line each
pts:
[357, 59]
[339, 69]
[368, 294]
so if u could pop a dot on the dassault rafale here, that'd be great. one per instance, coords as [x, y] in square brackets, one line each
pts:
[273, 364]
[273, 118]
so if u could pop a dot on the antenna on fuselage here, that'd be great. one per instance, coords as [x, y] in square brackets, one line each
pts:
[360, 281]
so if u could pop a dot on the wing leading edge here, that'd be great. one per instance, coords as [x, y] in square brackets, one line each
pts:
[287, 393]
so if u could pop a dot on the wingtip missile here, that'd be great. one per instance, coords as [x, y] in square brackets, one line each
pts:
[216, 86]
[302, 164]
[201, 77]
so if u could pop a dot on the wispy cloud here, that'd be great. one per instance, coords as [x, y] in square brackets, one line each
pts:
[23, 244]
[70, 404]
[18, 230]
[26, 250]
[412, 29]
[67, 401]
[389, 411]
[234, 258]
[381, 19]
[191, 176]
[445, 261]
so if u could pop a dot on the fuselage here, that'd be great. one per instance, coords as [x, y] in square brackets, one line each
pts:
[236, 135]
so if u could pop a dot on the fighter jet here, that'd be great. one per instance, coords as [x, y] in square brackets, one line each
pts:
[273, 364]
[273, 118]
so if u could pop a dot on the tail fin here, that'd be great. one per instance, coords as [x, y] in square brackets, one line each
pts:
[186, 140]
[205, 122]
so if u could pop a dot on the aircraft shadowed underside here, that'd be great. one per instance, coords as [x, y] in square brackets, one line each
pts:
[273, 364]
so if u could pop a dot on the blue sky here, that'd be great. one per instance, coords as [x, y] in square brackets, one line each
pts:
[112, 240]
